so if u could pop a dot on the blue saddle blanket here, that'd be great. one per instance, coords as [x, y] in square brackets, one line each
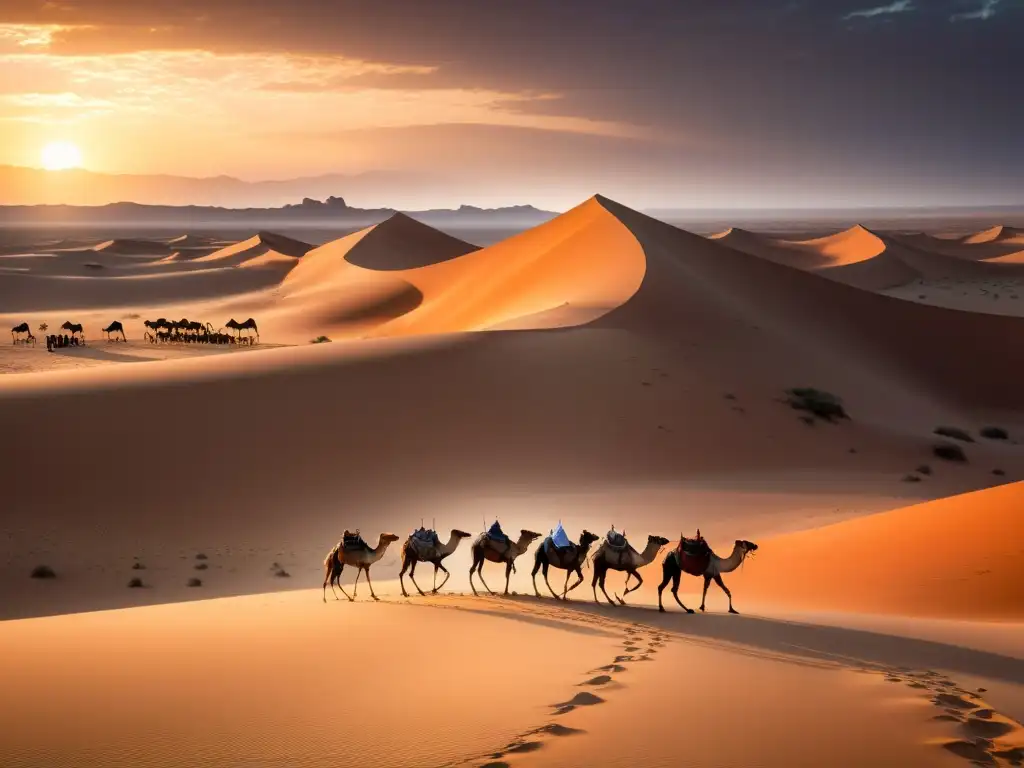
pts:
[559, 537]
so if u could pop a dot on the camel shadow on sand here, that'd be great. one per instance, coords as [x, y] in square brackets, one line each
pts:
[813, 643]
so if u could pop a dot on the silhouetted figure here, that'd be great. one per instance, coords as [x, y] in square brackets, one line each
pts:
[49, 343]
[67, 341]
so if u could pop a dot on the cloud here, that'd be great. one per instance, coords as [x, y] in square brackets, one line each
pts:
[899, 6]
[987, 10]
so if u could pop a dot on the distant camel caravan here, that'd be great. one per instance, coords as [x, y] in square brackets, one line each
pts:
[187, 331]
[18, 330]
[115, 327]
[248, 325]
[692, 556]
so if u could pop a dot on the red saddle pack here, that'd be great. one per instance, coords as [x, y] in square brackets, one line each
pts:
[694, 555]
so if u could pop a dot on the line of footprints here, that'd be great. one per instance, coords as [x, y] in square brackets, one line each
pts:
[641, 643]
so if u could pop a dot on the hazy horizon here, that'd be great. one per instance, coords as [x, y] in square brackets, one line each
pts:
[674, 105]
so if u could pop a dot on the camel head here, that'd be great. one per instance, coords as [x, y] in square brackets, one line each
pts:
[460, 534]
[388, 538]
[588, 538]
[529, 535]
[746, 547]
[661, 541]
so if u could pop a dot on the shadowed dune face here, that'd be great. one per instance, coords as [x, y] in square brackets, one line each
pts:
[261, 249]
[954, 558]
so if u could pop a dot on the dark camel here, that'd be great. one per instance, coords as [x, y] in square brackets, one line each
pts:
[115, 327]
[570, 559]
[19, 329]
[248, 325]
[73, 328]
[672, 570]
[419, 551]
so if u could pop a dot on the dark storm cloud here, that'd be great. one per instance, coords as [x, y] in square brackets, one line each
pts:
[897, 89]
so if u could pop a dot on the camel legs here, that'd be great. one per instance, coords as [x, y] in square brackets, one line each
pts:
[478, 566]
[639, 582]
[579, 580]
[674, 577]
[719, 582]
[447, 576]
[508, 573]
[371, 584]
[405, 565]
[599, 577]
[412, 577]
[328, 573]
[704, 596]
[336, 579]
[537, 564]
[355, 587]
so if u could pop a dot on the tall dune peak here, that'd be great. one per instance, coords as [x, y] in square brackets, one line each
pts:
[282, 244]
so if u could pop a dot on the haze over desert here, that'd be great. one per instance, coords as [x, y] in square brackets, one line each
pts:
[640, 385]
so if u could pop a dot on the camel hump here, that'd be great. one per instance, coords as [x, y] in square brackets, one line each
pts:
[615, 539]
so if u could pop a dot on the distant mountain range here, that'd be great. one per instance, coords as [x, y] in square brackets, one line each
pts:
[331, 213]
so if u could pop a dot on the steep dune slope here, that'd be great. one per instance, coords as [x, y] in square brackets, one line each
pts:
[129, 247]
[959, 557]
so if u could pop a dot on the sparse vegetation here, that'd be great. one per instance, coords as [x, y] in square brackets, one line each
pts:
[994, 433]
[201, 566]
[823, 405]
[138, 567]
[281, 573]
[949, 452]
[320, 340]
[954, 432]
[911, 478]
[924, 469]
[998, 472]
[135, 583]
[194, 582]
[43, 327]
[201, 556]
[43, 572]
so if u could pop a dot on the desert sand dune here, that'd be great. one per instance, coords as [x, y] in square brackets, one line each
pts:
[996, 234]
[130, 247]
[190, 240]
[266, 246]
[959, 557]
[678, 379]
[966, 249]
[400, 243]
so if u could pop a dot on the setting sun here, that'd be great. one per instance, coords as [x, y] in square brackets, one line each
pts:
[61, 155]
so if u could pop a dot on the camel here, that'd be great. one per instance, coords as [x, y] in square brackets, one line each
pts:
[709, 565]
[73, 328]
[19, 329]
[498, 551]
[570, 559]
[417, 549]
[115, 327]
[248, 325]
[352, 550]
[616, 554]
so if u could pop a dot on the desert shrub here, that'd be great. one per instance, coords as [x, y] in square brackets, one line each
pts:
[135, 583]
[998, 472]
[195, 582]
[43, 572]
[138, 567]
[281, 573]
[994, 433]
[320, 340]
[924, 469]
[43, 327]
[954, 432]
[911, 478]
[201, 566]
[949, 452]
[201, 556]
[823, 405]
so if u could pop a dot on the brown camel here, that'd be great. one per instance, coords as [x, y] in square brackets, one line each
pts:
[424, 546]
[570, 559]
[248, 325]
[498, 549]
[115, 327]
[352, 550]
[73, 328]
[616, 554]
[689, 557]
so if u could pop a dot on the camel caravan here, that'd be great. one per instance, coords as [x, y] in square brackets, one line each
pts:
[614, 553]
[187, 331]
[160, 331]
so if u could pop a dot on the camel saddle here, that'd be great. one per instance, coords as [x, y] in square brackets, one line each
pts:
[424, 541]
[352, 540]
[616, 540]
[694, 555]
[494, 533]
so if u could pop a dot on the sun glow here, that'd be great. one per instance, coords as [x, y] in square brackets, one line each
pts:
[61, 155]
